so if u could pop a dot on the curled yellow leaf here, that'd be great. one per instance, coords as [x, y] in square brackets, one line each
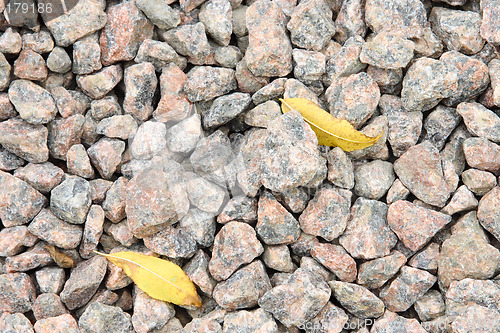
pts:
[330, 131]
[159, 278]
[61, 259]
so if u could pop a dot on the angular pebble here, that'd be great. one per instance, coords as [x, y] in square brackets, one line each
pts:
[463, 199]
[190, 40]
[229, 254]
[426, 83]
[243, 288]
[149, 313]
[174, 104]
[86, 55]
[458, 29]
[30, 66]
[140, 85]
[160, 14]
[98, 84]
[78, 162]
[84, 18]
[336, 259]
[291, 140]
[205, 83]
[61, 323]
[356, 110]
[101, 318]
[217, 17]
[488, 212]
[429, 186]
[51, 229]
[269, 51]
[478, 181]
[391, 322]
[64, 133]
[83, 282]
[105, 155]
[249, 321]
[34, 104]
[407, 16]
[415, 225]
[467, 253]
[368, 222]
[473, 77]
[310, 25]
[70, 200]
[327, 213]
[275, 225]
[19, 202]
[18, 292]
[172, 242]
[225, 108]
[387, 50]
[302, 286]
[480, 121]
[375, 273]
[408, 287]
[126, 28]
[482, 154]
[373, 187]
[358, 300]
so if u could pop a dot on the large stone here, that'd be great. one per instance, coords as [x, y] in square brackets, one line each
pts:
[154, 201]
[19, 202]
[302, 287]
[34, 104]
[420, 170]
[25, 140]
[269, 51]
[415, 225]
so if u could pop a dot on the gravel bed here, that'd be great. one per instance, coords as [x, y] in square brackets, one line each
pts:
[155, 126]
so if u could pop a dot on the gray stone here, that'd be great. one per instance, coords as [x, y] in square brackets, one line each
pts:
[370, 186]
[225, 108]
[70, 200]
[235, 244]
[34, 104]
[429, 186]
[216, 15]
[302, 286]
[243, 288]
[101, 318]
[83, 282]
[215, 81]
[327, 213]
[269, 50]
[275, 224]
[49, 228]
[159, 13]
[358, 300]
[426, 83]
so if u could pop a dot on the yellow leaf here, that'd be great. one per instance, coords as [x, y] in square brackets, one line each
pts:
[329, 130]
[159, 278]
